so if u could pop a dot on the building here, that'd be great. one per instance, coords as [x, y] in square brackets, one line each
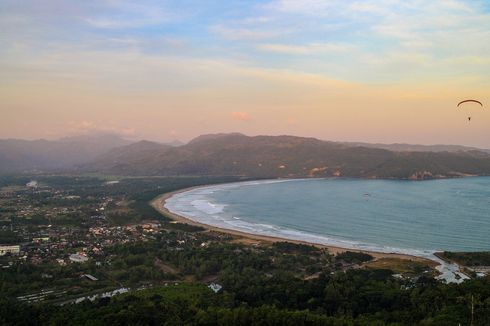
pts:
[215, 287]
[40, 239]
[61, 262]
[13, 250]
[32, 184]
[77, 258]
[90, 277]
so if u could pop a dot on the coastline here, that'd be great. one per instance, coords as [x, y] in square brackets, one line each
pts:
[159, 204]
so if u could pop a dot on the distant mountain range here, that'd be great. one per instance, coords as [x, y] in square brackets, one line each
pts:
[18, 155]
[418, 148]
[237, 154]
[40, 155]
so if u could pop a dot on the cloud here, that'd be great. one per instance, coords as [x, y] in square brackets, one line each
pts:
[86, 126]
[369, 7]
[308, 7]
[257, 20]
[292, 121]
[313, 48]
[242, 33]
[440, 29]
[241, 116]
[126, 14]
[372, 41]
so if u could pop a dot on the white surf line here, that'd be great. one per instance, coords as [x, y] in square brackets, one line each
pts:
[450, 272]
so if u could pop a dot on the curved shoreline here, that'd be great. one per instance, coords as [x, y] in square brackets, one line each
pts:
[159, 204]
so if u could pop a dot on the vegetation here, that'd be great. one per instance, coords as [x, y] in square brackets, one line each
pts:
[353, 298]
[469, 258]
[401, 266]
[9, 237]
[261, 284]
[354, 257]
[286, 156]
[167, 268]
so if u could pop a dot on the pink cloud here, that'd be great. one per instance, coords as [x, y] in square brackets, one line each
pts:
[292, 121]
[241, 116]
[85, 126]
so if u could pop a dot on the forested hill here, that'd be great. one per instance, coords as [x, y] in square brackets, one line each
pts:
[285, 156]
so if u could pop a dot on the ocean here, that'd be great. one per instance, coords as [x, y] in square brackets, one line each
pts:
[409, 217]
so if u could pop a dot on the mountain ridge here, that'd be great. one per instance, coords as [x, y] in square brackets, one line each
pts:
[238, 154]
[290, 156]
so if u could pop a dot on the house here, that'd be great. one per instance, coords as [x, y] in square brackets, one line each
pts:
[77, 258]
[40, 239]
[32, 184]
[61, 262]
[13, 250]
[90, 277]
[215, 287]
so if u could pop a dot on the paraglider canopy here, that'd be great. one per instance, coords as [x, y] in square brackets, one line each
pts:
[470, 101]
[466, 101]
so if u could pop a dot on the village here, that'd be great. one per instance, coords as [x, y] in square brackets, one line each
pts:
[65, 239]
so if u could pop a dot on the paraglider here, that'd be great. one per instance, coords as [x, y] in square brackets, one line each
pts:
[465, 101]
[470, 101]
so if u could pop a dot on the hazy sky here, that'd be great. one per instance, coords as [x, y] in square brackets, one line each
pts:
[374, 70]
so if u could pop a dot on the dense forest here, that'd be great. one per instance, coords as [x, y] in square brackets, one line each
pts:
[281, 284]
[252, 298]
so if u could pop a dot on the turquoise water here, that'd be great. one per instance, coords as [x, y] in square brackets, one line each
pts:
[417, 217]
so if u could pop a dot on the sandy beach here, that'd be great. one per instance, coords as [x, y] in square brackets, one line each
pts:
[159, 204]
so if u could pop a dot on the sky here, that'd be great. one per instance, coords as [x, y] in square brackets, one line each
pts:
[374, 70]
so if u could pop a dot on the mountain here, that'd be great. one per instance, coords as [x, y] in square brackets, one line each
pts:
[237, 154]
[285, 156]
[133, 155]
[18, 155]
[417, 148]
[175, 143]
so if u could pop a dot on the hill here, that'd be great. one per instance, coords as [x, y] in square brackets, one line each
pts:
[18, 155]
[417, 148]
[285, 156]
